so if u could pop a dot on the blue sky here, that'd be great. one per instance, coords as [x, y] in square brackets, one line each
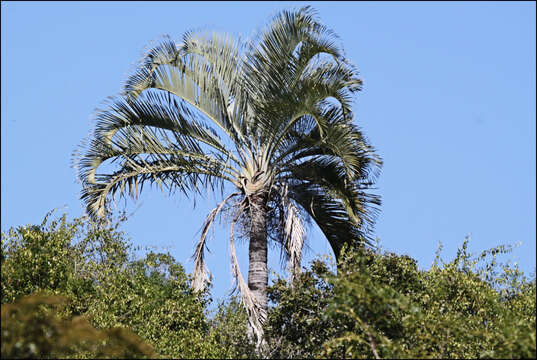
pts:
[448, 102]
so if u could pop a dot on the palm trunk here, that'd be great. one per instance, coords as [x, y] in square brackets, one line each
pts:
[257, 271]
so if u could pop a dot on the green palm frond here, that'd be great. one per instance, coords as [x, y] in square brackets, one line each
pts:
[342, 142]
[151, 139]
[159, 111]
[203, 71]
[281, 59]
[175, 174]
[330, 215]
[327, 173]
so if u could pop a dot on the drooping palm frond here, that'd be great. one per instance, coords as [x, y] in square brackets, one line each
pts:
[204, 71]
[331, 216]
[159, 111]
[255, 313]
[200, 275]
[155, 140]
[294, 234]
[175, 174]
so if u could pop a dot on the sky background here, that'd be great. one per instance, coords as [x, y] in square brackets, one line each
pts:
[448, 102]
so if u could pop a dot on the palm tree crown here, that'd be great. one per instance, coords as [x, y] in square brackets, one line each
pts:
[270, 116]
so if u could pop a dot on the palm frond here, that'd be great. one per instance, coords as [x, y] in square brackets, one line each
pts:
[156, 110]
[150, 126]
[275, 49]
[294, 232]
[185, 175]
[328, 172]
[280, 60]
[204, 71]
[331, 216]
[342, 141]
[330, 79]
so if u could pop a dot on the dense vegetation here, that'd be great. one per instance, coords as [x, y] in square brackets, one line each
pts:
[72, 289]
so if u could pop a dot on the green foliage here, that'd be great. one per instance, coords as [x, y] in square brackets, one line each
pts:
[228, 332]
[93, 269]
[152, 296]
[73, 289]
[35, 258]
[294, 327]
[382, 305]
[31, 328]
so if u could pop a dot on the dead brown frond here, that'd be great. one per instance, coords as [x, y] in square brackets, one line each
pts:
[294, 233]
[200, 276]
[256, 314]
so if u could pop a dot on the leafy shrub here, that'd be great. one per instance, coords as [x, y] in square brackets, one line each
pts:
[295, 327]
[382, 305]
[35, 258]
[31, 328]
[453, 311]
[74, 289]
[93, 268]
[228, 332]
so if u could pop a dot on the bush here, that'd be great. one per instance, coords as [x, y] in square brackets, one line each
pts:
[74, 289]
[92, 267]
[453, 311]
[31, 328]
[295, 327]
[382, 305]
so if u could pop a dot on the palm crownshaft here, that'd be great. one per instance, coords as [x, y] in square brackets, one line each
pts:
[272, 117]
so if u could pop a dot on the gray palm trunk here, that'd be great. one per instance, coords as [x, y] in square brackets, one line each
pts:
[258, 272]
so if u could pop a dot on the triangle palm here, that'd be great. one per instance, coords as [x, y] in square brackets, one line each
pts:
[271, 116]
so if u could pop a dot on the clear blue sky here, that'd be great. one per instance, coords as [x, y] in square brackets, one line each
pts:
[448, 101]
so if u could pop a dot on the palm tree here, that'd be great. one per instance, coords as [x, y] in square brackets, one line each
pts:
[269, 117]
